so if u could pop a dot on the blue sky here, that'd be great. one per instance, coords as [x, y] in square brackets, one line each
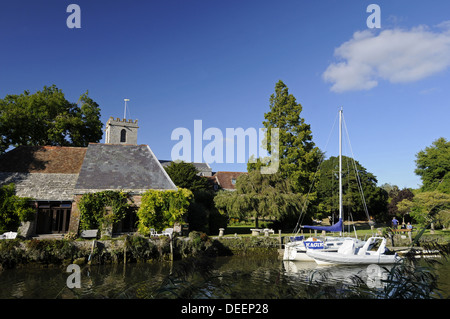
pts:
[218, 61]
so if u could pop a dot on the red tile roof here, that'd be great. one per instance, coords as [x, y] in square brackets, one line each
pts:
[224, 179]
[43, 159]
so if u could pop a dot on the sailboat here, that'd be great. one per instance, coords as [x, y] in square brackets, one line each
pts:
[350, 250]
[348, 254]
[296, 250]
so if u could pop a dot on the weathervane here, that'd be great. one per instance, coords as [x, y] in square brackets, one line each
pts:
[125, 111]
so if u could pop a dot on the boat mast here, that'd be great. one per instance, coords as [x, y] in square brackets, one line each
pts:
[340, 168]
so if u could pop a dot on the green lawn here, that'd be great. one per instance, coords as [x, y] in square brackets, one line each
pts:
[362, 231]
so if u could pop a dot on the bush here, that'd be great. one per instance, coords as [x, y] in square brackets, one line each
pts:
[141, 249]
[444, 219]
[13, 209]
[51, 251]
[161, 209]
[10, 253]
[93, 208]
[197, 242]
[250, 245]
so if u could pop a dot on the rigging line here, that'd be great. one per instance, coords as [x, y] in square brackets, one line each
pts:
[349, 210]
[300, 218]
[360, 189]
[350, 214]
[357, 174]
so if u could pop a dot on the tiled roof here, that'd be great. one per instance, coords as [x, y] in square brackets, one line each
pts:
[225, 179]
[41, 187]
[126, 167]
[43, 159]
[57, 173]
[42, 172]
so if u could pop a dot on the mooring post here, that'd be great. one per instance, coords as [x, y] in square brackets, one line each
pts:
[171, 248]
[92, 252]
[125, 251]
[280, 239]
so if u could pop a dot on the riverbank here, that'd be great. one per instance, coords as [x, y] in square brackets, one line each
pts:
[135, 248]
[127, 249]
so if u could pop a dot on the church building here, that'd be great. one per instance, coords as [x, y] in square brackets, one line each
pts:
[121, 131]
[56, 177]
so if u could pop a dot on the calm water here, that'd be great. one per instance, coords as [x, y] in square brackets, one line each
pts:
[223, 277]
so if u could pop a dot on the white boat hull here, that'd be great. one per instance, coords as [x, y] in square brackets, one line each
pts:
[348, 254]
[297, 251]
[334, 258]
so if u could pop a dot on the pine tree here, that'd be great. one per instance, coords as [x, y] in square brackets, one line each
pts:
[298, 155]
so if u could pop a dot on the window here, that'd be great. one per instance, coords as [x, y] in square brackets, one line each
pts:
[123, 136]
[129, 222]
[233, 181]
[53, 217]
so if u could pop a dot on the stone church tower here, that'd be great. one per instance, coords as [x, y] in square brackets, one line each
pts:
[121, 131]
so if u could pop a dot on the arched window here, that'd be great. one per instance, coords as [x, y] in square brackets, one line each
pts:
[123, 136]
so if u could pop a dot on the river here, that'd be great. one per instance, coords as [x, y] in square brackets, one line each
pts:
[221, 277]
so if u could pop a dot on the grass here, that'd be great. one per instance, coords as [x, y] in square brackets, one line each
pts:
[363, 230]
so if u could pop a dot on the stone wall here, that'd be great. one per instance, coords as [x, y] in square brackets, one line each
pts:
[128, 249]
[114, 128]
[75, 214]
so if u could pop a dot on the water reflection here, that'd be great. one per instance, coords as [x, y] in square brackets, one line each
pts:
[222, 277]
[105, 281]
[309, 272]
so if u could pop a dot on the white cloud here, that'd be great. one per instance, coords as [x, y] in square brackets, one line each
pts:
[395, 55]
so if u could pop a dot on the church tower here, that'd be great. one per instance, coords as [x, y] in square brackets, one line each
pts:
[121, 131]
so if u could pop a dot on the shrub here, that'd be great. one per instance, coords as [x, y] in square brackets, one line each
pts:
[161, 209]
[444, 219]
[13, 209]
[140, 248]
[196, 243]
[10, 253]
[51, 251]
[93, 208]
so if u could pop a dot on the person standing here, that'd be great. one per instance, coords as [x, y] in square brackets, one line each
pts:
[394, 223]
[409, 227]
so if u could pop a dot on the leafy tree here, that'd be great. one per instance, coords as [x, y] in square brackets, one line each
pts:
[161, 209]
[401, 195]
[392, 190]
[86, 126]
[298, 155]
[258, 195]
[433, 166]
[47, 118]
[328, 190]
[202, 214]
[13, 209]
[443, 218]
[185, 175]
[426, 206]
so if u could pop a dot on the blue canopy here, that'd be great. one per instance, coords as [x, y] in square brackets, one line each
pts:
[335, 227]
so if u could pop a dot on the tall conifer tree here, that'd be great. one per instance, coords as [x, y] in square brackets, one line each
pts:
[298, 155]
